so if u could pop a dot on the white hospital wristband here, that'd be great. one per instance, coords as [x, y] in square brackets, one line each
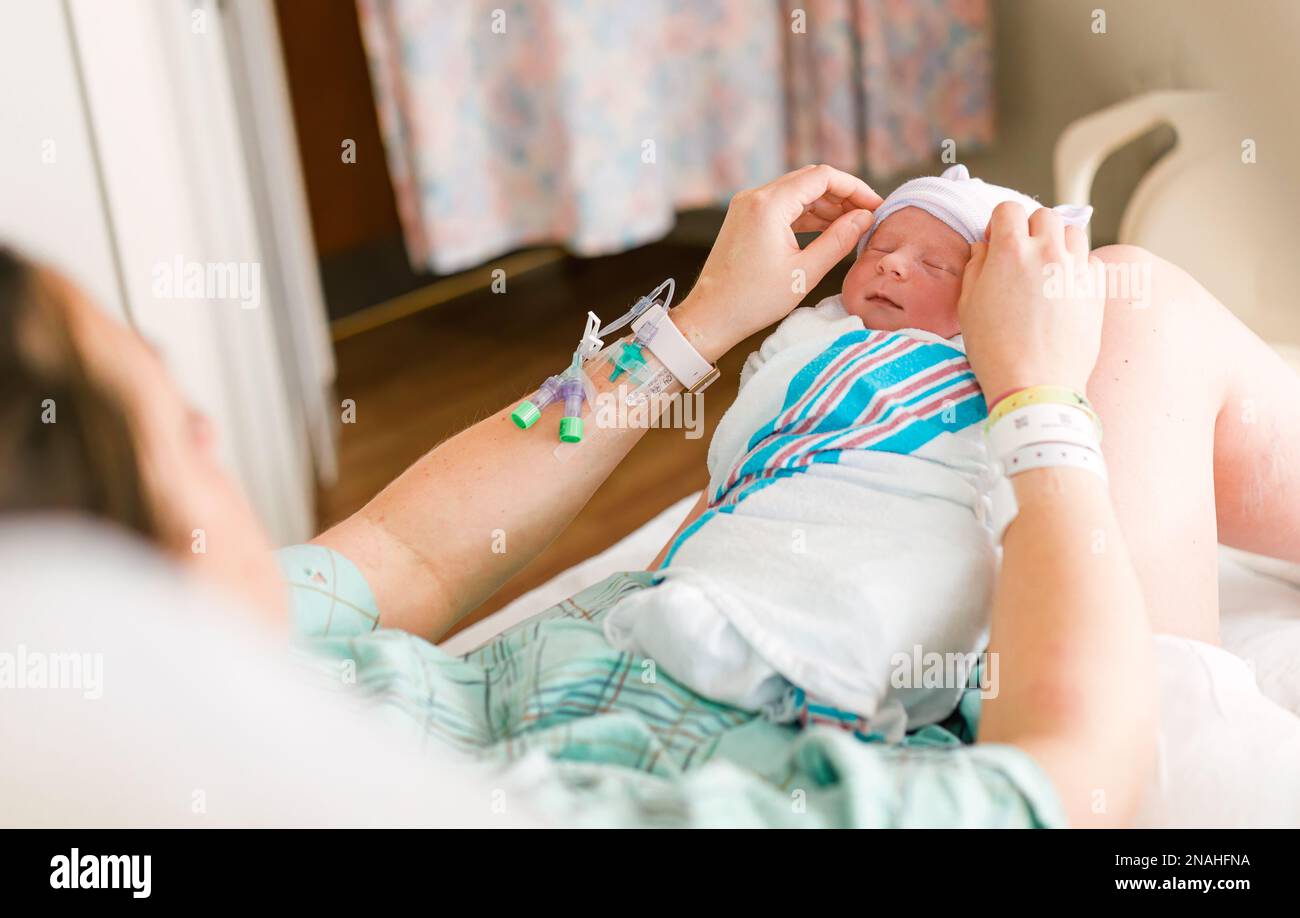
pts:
[1042, 423]
[1047, 455]
[672, 349]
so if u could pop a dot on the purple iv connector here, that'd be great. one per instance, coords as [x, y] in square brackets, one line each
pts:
[556, 388]
[551, 391]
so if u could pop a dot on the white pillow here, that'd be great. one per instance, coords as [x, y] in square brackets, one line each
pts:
[1226, 755]
[1260, 622]
[1229, 733]
[168, 697]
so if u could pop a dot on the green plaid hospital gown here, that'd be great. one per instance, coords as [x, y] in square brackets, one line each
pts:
[624, 744]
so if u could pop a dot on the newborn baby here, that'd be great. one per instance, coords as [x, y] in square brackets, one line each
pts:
[910, 260]
[848, 541]
[908, 275]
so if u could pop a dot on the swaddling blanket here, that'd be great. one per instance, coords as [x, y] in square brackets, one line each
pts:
[844, 543]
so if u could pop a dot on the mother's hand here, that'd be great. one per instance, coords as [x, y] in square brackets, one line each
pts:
[756, 273]
[1031, 304]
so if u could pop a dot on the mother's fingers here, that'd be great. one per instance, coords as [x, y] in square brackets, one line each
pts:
[1008, 223]
[1046, 224]
[810, 223]
[1076, 240]
[974, 266]
[829, 207]
[796, 190]
[824, 252]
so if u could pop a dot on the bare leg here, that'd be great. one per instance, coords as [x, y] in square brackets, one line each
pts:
[1195, 408]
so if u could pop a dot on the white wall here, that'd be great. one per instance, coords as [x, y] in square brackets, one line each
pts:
[1051, 69]
[151, 166]
[174, 170]
[49, 193]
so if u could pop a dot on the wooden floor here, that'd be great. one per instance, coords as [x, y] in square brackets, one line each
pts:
[419, 380]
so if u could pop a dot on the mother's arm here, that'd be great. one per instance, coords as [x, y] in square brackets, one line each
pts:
[1076, 688]
[426, 543]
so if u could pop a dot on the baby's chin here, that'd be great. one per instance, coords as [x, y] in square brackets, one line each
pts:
[878, 316]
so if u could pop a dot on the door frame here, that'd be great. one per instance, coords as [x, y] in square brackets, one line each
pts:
[199, 162]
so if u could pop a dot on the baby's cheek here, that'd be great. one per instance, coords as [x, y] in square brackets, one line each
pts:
[943, 310]
[855, 281]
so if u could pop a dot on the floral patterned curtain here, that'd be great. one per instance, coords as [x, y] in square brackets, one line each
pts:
[591, 123]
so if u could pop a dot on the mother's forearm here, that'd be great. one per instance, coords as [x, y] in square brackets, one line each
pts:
[1076, 687]
[467, 516]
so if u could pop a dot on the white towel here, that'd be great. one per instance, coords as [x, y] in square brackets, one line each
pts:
[819, 576]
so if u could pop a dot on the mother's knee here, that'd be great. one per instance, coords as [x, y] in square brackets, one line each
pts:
[1124, 253]
[1162, 330]
[1128, 275]
[1123, 260]
[1136, 278]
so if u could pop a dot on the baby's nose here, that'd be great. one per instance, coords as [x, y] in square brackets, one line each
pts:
[893, 264]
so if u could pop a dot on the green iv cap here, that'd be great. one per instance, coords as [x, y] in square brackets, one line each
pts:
[571, 429]
[526, 415]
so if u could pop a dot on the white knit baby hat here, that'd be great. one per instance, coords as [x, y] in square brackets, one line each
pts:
[964, 203]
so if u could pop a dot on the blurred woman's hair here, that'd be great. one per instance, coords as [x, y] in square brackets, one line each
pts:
[66, 443]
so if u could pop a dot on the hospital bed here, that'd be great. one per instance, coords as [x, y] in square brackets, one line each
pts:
[1259, 597]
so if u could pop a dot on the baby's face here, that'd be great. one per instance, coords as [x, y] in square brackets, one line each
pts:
[909, 275]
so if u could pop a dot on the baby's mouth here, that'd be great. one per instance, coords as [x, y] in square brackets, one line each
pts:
[879, 300]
